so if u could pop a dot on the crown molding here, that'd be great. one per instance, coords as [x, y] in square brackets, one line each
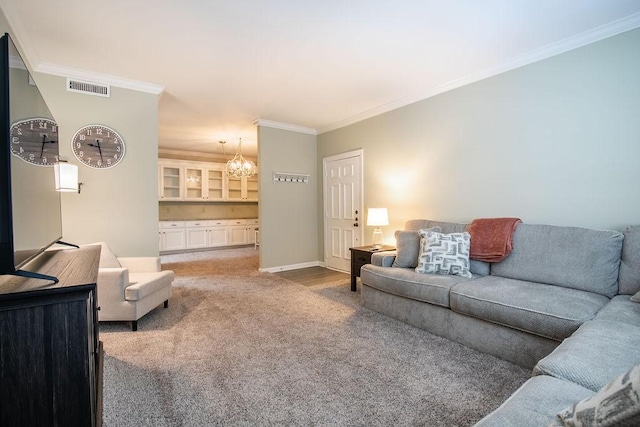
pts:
[285, 126]
[588, 37]
[89, 76]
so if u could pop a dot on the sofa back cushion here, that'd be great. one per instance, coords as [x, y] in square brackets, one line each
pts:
[408, 247]
[107, 257]
[630, 266]
[476, 267]
[572, 257]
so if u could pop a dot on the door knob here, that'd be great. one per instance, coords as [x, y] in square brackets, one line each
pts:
[355, 225]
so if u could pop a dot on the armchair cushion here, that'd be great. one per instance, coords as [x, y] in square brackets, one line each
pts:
[144, 284]
[141, 264]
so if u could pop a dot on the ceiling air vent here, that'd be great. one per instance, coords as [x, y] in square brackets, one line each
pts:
[89, 88]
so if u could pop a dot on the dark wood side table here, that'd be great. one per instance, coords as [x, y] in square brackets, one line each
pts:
[360, 256]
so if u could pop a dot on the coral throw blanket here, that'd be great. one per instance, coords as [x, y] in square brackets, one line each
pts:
[492, 238]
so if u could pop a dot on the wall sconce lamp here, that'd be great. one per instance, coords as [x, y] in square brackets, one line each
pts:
[377, 217]
[66, 176]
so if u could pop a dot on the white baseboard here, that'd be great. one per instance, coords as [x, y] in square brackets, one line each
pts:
[292, 267]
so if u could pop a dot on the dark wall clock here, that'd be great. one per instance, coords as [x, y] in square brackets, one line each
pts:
[98, 146]
[35, 141]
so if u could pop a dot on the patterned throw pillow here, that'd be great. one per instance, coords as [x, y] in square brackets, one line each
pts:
[408, 247]
[616, 404]
[444, 253]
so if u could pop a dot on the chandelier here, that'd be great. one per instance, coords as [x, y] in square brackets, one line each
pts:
[238, 166]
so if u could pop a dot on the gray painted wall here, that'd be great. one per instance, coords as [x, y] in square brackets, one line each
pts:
[554, 142]
[117, 205]
[288, 212]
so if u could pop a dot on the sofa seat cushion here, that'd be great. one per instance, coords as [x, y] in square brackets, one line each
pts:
[594, 355]
[145, 284]
[404, 282]
[621, 309]
[545, 310]
[571, 257]
[536, 403]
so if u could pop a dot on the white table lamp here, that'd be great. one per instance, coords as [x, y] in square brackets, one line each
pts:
[377, 217]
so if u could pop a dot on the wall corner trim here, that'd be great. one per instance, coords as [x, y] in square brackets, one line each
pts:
[285, 126]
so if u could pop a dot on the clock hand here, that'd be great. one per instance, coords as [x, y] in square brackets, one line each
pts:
[44, 137]
[97, 144]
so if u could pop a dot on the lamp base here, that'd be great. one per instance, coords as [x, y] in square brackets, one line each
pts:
[377, 238]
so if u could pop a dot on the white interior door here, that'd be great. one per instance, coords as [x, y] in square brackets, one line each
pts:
[343, 217]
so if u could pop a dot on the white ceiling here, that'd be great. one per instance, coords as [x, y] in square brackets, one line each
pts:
[315, 64]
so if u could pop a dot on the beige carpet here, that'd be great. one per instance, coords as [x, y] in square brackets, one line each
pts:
[240, 347]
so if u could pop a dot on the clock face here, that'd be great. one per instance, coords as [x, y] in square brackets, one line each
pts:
[98, 146]
[35, 141]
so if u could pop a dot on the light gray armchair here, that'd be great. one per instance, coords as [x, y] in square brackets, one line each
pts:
[130, 287]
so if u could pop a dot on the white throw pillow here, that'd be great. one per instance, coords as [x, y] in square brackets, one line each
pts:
[444, 253]
[617, 403]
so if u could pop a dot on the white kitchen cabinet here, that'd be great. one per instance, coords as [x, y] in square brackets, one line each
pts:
[242, 231]
[202, 234]
[218, 233]
[172, 236]
[170, 181]
[197, 233]
[189, 181]
[194, 183]
[237, 232]
[216, 184]
[243, 189]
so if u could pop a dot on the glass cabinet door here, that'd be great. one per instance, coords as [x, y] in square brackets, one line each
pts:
[252, 188]
[234, 186]
[170, 182]
[215, 183]
[193, 184]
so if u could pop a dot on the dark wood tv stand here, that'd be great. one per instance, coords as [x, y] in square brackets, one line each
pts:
[50, 355]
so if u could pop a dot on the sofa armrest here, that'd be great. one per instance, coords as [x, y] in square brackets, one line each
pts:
[141, 264]
[112, 283]
[383, 259]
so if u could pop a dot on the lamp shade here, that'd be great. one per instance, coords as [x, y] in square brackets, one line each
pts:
[66, 176]
[377, 217]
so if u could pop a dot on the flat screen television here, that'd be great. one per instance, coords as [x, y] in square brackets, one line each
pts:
[30, 206]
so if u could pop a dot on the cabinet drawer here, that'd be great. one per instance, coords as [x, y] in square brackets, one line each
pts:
[195, 224]
[361, 258]
[171, 224]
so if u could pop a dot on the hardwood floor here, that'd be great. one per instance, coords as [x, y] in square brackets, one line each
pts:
[313, 275]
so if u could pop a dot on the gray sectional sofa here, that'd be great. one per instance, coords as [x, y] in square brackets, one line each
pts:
[560, 303]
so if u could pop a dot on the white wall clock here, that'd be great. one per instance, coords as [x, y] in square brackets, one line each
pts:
[98, 146]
